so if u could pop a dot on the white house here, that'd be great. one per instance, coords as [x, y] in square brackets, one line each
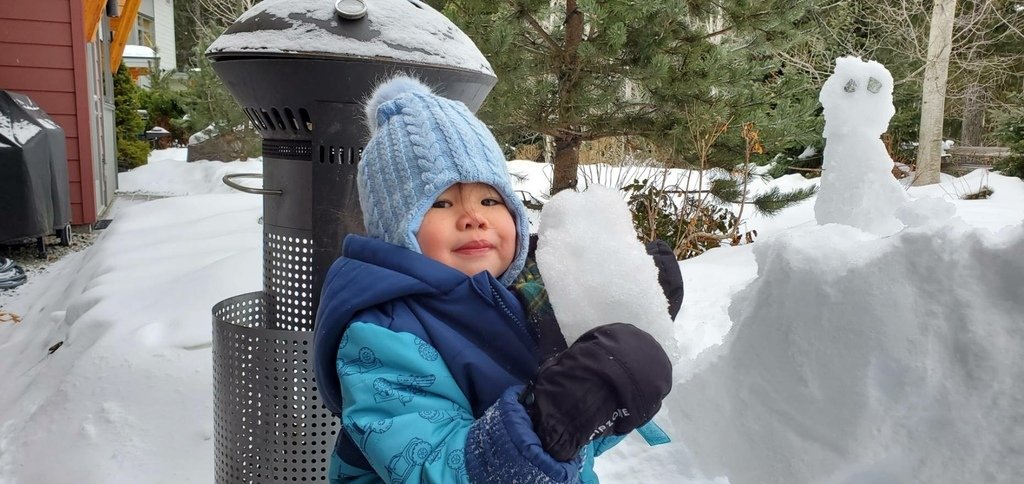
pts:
[154, 28]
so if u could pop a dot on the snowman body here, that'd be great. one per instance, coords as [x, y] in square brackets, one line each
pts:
[857, 186]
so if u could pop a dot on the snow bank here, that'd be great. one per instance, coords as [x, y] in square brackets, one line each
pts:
[857, 359]
[168, 174]
[127, 397]
[1005, 205]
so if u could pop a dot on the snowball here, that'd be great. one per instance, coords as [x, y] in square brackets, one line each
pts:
[596, 271]
[857, 186]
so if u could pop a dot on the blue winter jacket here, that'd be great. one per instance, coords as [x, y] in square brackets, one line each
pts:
[424, 365]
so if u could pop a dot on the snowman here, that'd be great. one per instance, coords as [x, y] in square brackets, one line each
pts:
[857, 186]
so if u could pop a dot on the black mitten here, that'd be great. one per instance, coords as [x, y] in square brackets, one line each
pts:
[609, 382]
[669, 277]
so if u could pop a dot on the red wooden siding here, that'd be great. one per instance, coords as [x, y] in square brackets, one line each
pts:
[42, 55]
[44, 10]
[28, 55]
[34, 32]
[24, 79]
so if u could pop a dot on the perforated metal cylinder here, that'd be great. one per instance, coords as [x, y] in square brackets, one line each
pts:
[270, 425]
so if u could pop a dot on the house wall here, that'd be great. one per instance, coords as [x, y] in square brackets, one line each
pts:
[145, 8]
[163, 14]
[42, 55]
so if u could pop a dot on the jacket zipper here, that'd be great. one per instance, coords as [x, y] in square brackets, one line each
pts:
[511, 315]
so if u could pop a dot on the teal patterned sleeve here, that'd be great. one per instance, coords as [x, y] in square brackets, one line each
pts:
[592, 450]
[603, 444]
[402, 407]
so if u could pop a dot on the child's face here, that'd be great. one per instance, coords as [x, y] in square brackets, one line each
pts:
[470, 229]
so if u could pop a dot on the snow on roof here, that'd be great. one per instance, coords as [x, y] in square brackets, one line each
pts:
[138, 52]
[401, 30]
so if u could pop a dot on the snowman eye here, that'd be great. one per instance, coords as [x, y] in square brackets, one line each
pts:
[874, 85]
[851, 86]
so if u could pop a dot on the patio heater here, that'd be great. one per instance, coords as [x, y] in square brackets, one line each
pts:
[300, 70]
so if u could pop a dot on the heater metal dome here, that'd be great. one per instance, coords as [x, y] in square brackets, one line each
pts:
[406, 31]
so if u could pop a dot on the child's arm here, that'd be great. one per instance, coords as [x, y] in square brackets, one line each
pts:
[405, 412]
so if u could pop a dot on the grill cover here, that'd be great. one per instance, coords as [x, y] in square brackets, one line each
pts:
[34, 191]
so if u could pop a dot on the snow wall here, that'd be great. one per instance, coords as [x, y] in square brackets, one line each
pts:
[858, 359]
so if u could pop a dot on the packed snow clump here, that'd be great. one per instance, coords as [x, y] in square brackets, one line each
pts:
[596, 271]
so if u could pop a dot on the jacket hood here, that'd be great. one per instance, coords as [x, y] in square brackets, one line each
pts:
[372, 272]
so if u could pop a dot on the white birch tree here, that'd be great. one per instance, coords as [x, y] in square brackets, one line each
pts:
[933, 92]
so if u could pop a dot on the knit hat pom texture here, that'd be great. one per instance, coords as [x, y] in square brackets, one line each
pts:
[387, 91]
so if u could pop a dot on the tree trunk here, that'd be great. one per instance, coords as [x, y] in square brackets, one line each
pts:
[567, 162]
[568, 140]
[973, 121]
[933, 95]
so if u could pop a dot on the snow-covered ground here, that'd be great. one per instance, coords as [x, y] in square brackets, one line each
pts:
[165, 175]
[848, 358]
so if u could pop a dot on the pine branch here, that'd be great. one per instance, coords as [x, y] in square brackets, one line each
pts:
[773, 201]
[532, 22]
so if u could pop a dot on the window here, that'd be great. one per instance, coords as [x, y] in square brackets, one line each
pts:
[145, 31]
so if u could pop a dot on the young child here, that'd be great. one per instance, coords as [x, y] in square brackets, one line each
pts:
[422, 349]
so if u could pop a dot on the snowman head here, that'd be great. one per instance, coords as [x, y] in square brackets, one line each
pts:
[857, 98]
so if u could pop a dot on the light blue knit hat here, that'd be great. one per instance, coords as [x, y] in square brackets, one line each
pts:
[420, 145]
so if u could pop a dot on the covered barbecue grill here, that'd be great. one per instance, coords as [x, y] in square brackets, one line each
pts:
[34, 190]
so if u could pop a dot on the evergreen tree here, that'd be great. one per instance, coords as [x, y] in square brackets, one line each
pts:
[186, 23]
[196, 20]
[131, 151]
[590, 70]
[210, 106]
[1010, 131]
[165, 106]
